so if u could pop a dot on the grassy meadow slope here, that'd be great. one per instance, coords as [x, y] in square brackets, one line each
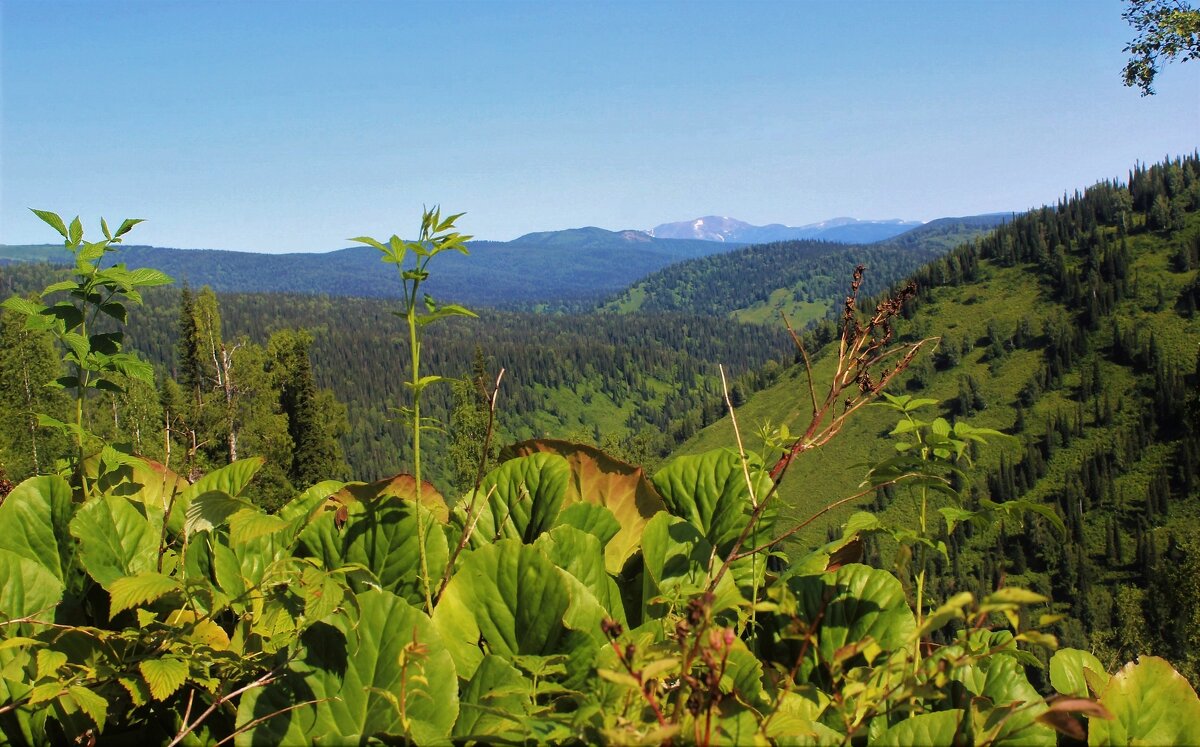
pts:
[1075, 331]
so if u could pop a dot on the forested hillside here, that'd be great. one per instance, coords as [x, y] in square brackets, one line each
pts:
[640, 384]
[1074, 328]
[803, 279]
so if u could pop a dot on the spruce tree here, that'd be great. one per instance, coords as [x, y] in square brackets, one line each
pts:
[314, 422]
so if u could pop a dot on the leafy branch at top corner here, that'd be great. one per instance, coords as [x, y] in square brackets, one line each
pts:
[1167, 29]
[93, 349]
[412, 259]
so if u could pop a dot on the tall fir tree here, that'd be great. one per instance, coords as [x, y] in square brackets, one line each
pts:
[315, 419]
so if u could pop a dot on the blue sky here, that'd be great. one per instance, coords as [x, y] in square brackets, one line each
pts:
[281, 126]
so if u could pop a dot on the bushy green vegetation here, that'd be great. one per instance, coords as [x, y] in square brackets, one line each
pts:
[564, 597]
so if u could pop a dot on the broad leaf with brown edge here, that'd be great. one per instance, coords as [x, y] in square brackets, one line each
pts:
[401, 486]
[602, 480]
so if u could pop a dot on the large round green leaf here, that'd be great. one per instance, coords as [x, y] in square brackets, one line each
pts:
[580, 554]
[36, 555]
[401, 486]
[1151, 703]
[382, 534]
[598, 479]
[520, 499]
[35, 517]
[1066, 671]
[29, 588]
[710, 491]
[511, 600]
[1002, 681]
[932, 729]
[852, 603]
[679, 565]
[495, 704]
[115, 538]
[371, 675]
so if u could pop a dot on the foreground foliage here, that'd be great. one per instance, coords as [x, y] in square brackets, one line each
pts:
[567, 596]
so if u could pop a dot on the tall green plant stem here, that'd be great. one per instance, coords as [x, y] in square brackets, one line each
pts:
[414, 346]
[437, 235]
[920, 606]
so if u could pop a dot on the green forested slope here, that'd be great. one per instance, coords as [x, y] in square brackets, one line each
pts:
[800, 278]
[1074, 329]
[639, 383]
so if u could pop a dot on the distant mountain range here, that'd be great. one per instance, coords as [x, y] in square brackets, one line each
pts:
[844, 230]
[566, 266]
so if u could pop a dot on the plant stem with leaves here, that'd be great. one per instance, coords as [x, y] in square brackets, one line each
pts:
[437, 235]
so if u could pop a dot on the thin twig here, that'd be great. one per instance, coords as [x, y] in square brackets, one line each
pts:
[470, 526]
[812, 390]
[468, 530]
[819, 514]
[738, 436]
[243, 729]
[487, 438]
[262, 681]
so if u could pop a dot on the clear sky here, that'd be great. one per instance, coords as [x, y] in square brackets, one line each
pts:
[289, 126]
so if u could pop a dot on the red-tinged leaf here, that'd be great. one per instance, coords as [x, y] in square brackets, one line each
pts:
[851, 552]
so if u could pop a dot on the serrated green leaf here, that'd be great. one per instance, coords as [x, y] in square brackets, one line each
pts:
[164, 676]
[133, 367]
[89, 253]
[53, 221]
[90, 703]
[49, 662]
[370, 241]
[23, 305]
[146, 277]
[44, 692]
[132, 591]
[75, 231]
[1014, 595]
[127, 224]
